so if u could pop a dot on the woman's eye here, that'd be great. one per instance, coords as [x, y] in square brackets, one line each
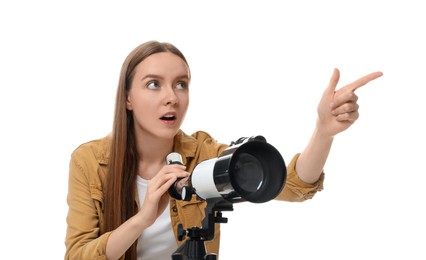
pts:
[152, 85]
[181, 85]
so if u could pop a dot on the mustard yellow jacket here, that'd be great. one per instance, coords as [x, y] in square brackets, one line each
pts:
[87, 180]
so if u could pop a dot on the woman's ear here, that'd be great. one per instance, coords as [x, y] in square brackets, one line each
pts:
[128, 104]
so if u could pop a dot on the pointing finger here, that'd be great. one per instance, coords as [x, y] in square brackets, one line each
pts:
[362, 81]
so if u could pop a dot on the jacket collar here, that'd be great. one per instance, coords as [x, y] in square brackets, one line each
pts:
[186, 145]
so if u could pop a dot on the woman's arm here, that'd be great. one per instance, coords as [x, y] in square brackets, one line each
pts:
[337, 111]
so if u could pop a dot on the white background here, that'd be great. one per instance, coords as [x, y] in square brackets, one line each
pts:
[258, 67]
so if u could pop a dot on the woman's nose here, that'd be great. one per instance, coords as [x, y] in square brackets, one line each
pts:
[171, 97]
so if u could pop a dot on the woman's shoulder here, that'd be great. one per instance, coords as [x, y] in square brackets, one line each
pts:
[199, 135]
[97, 148]
[197, 138]
[199, 142]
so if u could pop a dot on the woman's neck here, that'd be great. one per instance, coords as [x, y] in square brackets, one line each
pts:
[152, 156]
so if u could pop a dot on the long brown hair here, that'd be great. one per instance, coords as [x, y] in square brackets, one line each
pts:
[121, 180]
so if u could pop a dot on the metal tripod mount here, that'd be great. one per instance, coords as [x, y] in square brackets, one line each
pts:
[194, 247]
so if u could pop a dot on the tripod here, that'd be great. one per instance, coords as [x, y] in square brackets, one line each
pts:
[194, 248]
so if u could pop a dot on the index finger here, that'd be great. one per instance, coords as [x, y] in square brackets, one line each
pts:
[362, 81]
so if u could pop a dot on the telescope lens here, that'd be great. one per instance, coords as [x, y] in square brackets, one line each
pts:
[257, 172]
[248, 173]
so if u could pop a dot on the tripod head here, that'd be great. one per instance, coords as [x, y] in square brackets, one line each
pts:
[194, 247]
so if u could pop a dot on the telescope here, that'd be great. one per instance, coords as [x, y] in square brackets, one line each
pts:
[250, 169]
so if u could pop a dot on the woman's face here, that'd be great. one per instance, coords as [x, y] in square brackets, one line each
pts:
[159, 95]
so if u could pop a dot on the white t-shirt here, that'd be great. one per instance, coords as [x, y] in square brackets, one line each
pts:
[157, 242]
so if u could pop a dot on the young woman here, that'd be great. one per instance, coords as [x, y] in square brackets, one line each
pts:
[119, 206]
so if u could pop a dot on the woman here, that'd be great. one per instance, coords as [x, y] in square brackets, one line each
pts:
[117, 195]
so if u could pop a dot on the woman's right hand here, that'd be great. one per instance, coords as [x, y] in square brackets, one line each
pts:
[157, 196]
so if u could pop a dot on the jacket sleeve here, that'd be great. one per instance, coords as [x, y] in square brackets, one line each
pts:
[296, 190]
[83, 240]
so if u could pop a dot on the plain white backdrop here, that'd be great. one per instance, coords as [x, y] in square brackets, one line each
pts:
[258, 67]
